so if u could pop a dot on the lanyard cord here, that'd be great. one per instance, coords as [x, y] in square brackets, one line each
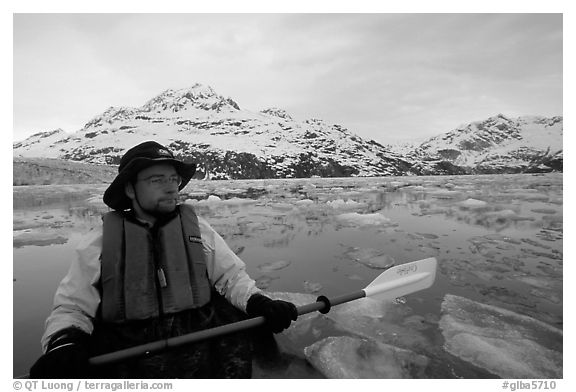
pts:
[156, 257]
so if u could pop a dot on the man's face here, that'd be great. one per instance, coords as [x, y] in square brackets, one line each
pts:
[155, 190]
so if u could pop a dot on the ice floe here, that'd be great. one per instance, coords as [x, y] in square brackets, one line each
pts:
[312, 287]
[350, 357]
[473, 203]
[379, 320]
[547, 211]
[263, 282]
[238, 200]
[36, 238]
[348, 204]
[211, 199]
[273, 266]
[505, 343]
[530, 196]
[445, 194]
[379, 346]
[429, 236]
[370, 257]
[356, 219]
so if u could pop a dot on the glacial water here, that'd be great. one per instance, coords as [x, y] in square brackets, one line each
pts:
[497, 238]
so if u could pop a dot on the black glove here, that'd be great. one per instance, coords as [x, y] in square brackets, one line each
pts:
[278, 314]
[66, 356]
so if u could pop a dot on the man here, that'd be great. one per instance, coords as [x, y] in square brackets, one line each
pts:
[154, 270]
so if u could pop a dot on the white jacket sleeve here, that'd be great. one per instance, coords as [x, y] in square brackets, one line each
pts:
[226, 271]
[77, 298]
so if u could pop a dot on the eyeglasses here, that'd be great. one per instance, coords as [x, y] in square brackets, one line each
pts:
[161, 181]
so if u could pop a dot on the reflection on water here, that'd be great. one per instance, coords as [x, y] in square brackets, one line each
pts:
[498, 240]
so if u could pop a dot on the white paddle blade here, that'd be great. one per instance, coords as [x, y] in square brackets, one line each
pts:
[403, 279]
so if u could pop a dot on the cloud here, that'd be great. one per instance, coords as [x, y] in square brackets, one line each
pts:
[413, 73]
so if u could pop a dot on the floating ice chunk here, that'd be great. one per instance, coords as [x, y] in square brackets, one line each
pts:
[371, 258]
[535, 243]
[298, 299]
[37, 238]
[546, 288]
[396, 184]
[472, 203]
[433, 211]
[529, 196]
[273, 266]
[210, 200]
[263, 282]
[357, 219]
[231, 191]
[548, 295]
[349, 357]
[548, 211]
[556, 200]
[541, 282]
[501, 217]
[341, 204]
[304, 202]
[418, 322]
[379, 320]
[505, 343]
[196, 194]
[364, 308]
[96, 199]
[414, 188]
[283, 206]
[312, 287]
[503, 214]
[24, 225]
[429, 236]
[239, 200]
[256, 226]
[553, 222]
[445, 194]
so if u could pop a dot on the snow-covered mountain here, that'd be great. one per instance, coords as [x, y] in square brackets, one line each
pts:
[200, 125]
[498, 144]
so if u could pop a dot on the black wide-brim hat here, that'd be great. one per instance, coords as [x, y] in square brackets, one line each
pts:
[139, 158]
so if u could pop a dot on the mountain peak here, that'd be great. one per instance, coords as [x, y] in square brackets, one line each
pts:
[198, 96]
[498, 141]
[34, 144]
[277, 113]
[58, 131]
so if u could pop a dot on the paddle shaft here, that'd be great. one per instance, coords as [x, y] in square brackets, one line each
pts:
[160, 345]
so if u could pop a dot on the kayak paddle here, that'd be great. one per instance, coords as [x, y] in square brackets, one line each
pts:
[393, 283]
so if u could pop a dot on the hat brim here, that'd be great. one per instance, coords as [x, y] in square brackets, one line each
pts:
[115, 196]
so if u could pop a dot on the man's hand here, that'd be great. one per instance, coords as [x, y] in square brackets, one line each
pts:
[278, 314]
[66, 356]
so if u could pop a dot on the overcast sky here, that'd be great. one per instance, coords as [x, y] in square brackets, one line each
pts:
[385, 77]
